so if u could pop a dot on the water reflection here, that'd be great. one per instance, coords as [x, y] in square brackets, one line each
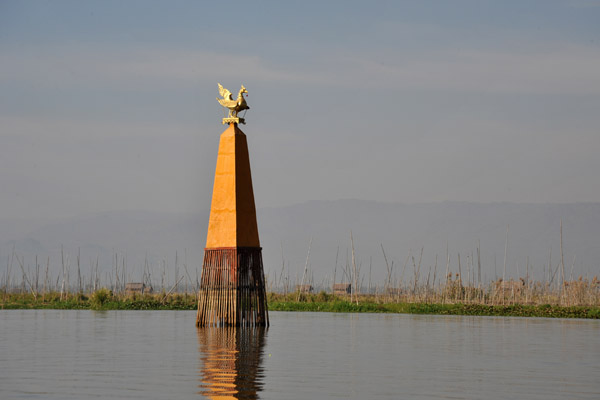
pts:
[230, 362]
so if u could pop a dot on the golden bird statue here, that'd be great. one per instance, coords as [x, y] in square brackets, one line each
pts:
[234, 106]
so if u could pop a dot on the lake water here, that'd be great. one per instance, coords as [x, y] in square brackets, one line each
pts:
[54, 354]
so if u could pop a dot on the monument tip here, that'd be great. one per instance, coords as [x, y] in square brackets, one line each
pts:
[233, 105]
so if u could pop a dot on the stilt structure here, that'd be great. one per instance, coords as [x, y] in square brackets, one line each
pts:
[232, 289]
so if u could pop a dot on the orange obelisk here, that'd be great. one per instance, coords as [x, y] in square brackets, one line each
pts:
[232, 288]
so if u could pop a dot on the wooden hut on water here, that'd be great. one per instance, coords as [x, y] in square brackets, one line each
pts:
[137, 287]
[342, 288]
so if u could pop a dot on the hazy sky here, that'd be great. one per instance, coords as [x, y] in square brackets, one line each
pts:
[110, 105]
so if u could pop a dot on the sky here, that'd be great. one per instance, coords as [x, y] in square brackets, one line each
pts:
[110, 105]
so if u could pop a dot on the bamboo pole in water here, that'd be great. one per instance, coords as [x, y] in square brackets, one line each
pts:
[232, 289]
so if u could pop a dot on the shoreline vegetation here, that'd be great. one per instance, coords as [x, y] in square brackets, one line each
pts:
[104, 299]
[462, 291]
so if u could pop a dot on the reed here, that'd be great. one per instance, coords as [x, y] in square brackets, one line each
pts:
[463, 284]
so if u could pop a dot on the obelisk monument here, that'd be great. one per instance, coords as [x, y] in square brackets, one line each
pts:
[232, 289]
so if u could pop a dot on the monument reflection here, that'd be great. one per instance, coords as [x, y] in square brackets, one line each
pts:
[230, 362]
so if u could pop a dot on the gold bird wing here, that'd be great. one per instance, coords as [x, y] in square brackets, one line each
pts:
[227, 103]
[225, 94]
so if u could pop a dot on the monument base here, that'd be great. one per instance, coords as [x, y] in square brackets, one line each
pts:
[233, 120]
[232, 289]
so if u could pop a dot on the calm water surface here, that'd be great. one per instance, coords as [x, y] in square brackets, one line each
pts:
[53, 354]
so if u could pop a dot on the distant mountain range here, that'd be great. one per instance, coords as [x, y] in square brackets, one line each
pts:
[402, 229]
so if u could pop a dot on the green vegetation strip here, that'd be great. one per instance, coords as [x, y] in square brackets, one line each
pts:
[516, 310]
[104, 300]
